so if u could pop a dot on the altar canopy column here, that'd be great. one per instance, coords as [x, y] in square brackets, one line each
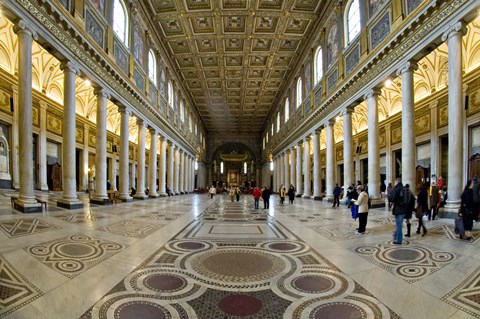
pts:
[69, 183]
[306, 168]
[101, 148]
[42, 148]
[26, 202]
[152, 164]
[123, 186]
[408, 124]
[142, 127]
[299, 186]
[316, 166]
[162, 168]
[456, 113]
[373, 145]
[349, 174]
[331, 165]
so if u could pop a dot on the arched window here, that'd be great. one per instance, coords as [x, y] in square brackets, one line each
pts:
[120, 21]
[152, 67]
[318, 66]
[299, 92]
[273, 127]
[278, 122]
[182, 112]
[352, 20]
[170, 94]
[263, 142]
[287, 109]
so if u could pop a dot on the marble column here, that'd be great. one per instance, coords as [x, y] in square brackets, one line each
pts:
[389, 155]
[15, 140]
[69, 198]
[176, 167]
[299, 186]
[171, 171]
[456, 124]
[281, 169]
[142, 127]
[434, 143]
[86, 136]
[286, 179]
[373, 144]
[293, 171]
[348, 169]
[42, 148]
[408, 124]
[317, 183]
[306, 168]
[152, 164]
[133, 170]
[101, 148]
[181, 171]
[331, 165]
[26, 202]
[123, 187]
[162, 167]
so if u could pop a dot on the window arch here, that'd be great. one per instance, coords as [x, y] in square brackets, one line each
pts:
[318, 66]
[170, 94]
[352, 20]
[152, 67]
[299, 92]
[287, 109]
[120, 20]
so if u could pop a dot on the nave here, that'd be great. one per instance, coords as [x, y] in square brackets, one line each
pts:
[195, 257]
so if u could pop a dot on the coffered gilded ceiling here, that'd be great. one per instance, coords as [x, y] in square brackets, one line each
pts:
[234, 56]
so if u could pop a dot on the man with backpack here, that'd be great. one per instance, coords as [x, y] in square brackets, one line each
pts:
[400, 199]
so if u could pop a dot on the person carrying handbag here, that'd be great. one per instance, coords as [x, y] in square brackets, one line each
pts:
[422, 208]
[466, 210]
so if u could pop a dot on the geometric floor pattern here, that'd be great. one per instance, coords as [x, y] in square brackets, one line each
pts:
[25, 226]
[194, 257]
[15, 290]
[467, 295]
[74, 254]
[410, 262]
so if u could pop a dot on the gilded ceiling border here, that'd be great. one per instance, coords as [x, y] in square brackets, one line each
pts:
[393, 52]
[75, 48]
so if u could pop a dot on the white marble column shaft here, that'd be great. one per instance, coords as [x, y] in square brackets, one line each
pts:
[69, 198]
[293, 171]
[15, 140]
[299, 186]
[373, 145]
[86, 137]
[349, 174]
[306, 168]
[152, 164]
[331, 165]
[142, 127]
[176, 167]
[101, 147]
[42, 148]
[171, 170]
[317, 183]
[162, 166]
[123, 187]
[286, 179]
[181, 171]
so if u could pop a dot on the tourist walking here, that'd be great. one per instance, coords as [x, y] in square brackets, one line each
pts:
[212, 191]
[400, 201]
[291, 194]
[337, 191]
[283, 194]
[237, 193]
[362, 203]
[422, 208]
[266, 198]
[410, 209]
[466, 210]
[434, 201]
[256, 196]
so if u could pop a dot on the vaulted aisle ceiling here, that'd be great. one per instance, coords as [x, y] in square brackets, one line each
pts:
[234, 56]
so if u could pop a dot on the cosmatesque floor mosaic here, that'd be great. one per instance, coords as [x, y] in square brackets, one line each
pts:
[194, 257]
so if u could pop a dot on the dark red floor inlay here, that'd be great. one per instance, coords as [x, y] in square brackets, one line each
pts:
[313, 283]
[191, 245]
[283, 246]
[164, 282]
[240, 305]
[144, 310]
[338, 310]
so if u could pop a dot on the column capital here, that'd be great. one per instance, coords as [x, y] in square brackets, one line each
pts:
[141, 122]
[124, 109]
[375, 92]
[409, 66]
[180, 151]
[152, 130]
[69, 66]
[287, 151]
[43, 105]
[458, 28]
[300, 143]
[433, 104]
[307, 138]
[330, 123]
[101, 92]
[319, 129]
[86, 126]
[162, 138]
[350, 109]
[23, 26]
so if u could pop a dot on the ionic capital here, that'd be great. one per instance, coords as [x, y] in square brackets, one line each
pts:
[409, 66]
[23, 27]
[458, 28]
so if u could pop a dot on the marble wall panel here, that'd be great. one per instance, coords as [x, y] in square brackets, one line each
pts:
[94, 29]
[380, 30]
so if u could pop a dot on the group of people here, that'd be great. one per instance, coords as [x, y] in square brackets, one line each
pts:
[234, 192]
[263, 193]
[283, 193]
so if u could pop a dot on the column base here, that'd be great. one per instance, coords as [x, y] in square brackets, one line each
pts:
[177, 193]
[162, 194]
[153, 196]
[43, 188]
[316, 197]
[298, 195]
[328, 198]
[306, 196]
[27, 208]
[69, 204]
[101, 201]
[125, 198]
[450, 210]
[378, 203]
[140, 196]
[181, 193]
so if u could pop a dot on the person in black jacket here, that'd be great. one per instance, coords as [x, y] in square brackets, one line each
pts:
[422, 202]
[266, 197]
[410, 209]
[466, 209]
[400, 201]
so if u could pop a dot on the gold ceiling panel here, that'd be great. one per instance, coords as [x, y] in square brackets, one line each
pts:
[234, 56]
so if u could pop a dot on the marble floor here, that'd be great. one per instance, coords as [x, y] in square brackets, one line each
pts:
[194, 257]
